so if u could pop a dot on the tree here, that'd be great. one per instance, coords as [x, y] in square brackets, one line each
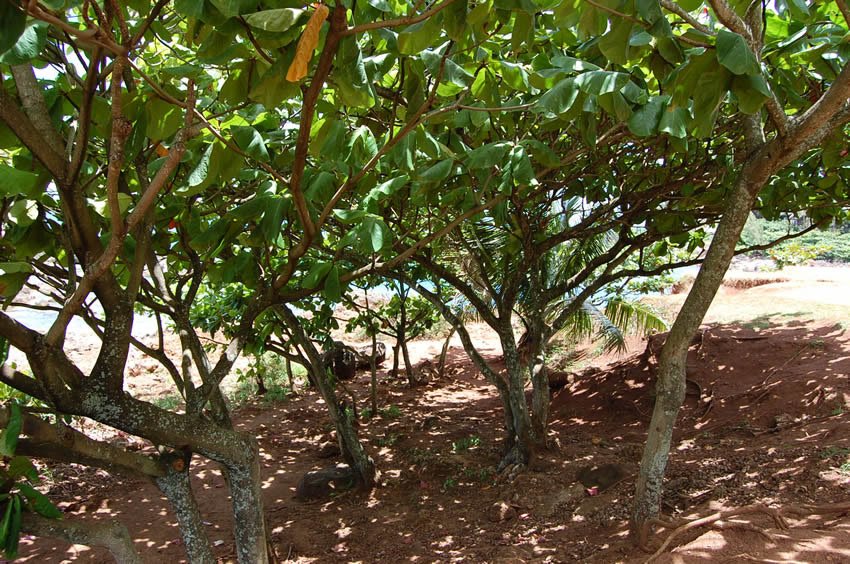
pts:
[790, 116]
[403, 318]
[137, 171]
[548, 265]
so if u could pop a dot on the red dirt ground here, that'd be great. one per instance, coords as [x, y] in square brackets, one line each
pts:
[767, 420]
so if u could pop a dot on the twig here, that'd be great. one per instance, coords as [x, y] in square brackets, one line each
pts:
[397, 21]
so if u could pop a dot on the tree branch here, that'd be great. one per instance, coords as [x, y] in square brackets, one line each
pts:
[110, 534]
[408, 20]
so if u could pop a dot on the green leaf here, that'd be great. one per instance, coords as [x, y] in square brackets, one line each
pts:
[190, 8]
[417, 37]
[22, 467]
[644, 121]
[734, 53]
[321, 188]
[163, 119]
[250, 141]
[13, 275]
[230, 8]
[316, 273]
[273, 217]
[601, 82]
[28, 46]
[14, 537]
[488, 155]
[332, 289]
[561, 97]
[273, 88]
[199, 174]
[673, 122]
[373, 234]
[9, 436]
[384, 189]
[649, 10]
[6, 523]
[349, 216]
[690, 5]
[799, 9]
[438, 172]
[13, 21]
[14, 182]
[751, 92]
[455, 19]
[615, 44]
[278, 20]
[541, 153]
[39, 502]
[350, 78]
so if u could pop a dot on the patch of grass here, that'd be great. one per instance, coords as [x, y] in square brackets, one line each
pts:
[831, 452]
[420, 456]
[449, 483]
[272, 369]
[390, 412]
[758, 323]
[466, 443]
[170, 402]
[389, 440]
[481, 475]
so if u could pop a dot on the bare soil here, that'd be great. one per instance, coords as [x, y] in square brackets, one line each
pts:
[766, 420]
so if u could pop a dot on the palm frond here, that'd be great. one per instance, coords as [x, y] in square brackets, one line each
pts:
[633, 316]
[613, 337]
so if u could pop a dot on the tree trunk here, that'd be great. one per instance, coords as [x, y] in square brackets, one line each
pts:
[540, 399]
[373, 381]
[524, 442]
[396, 353]
[408, 366]
[670, 386]
[176, 487]
[258, 373]
[353, 452]
[246, 498]
[441, 368]
[289, 374]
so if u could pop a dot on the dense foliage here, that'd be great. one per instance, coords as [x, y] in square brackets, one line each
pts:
[236, 165]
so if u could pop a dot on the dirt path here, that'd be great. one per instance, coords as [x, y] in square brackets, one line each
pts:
[767, 420]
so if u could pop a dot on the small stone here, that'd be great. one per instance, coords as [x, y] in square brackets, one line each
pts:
[325, 482]
[500, 512]
[328, 449]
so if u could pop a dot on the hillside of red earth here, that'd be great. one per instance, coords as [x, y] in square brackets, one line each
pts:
[766, 421]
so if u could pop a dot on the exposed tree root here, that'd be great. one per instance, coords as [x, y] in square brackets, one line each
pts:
[718, 520]
[510, 473]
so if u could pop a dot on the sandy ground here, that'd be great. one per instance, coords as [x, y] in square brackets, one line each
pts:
[766, 420]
